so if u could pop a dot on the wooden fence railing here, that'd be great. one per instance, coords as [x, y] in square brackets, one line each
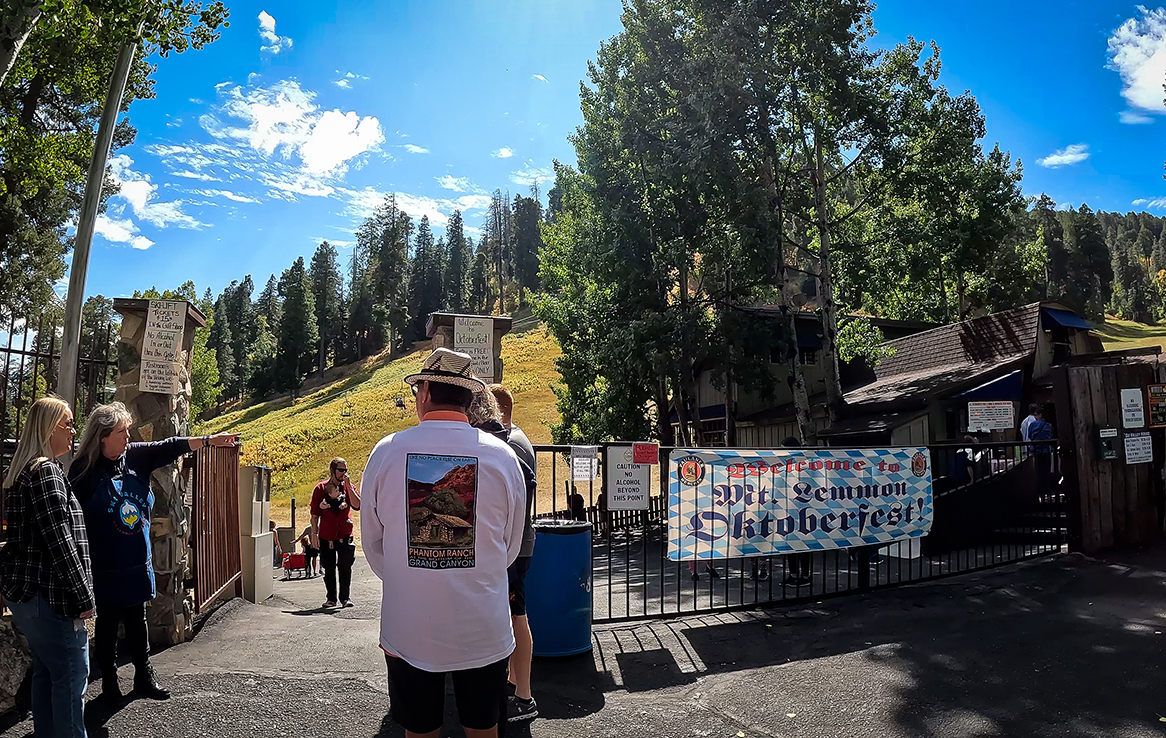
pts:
[215, 525]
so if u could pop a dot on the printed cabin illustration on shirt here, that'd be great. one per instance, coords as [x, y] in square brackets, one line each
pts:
[442, 491]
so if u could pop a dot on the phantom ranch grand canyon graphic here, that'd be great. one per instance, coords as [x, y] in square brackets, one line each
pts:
[442, 492]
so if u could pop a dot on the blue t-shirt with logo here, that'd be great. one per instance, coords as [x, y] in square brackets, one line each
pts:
[118, 503]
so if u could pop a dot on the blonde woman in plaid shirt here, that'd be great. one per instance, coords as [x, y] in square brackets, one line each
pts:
[45, 574]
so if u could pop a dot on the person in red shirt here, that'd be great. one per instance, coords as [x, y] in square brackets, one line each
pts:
[333, 501]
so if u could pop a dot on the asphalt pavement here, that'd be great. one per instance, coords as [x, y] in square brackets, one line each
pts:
[1064, 646]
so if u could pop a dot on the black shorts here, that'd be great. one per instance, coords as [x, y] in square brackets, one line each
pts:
[417, 697]
[517, 576]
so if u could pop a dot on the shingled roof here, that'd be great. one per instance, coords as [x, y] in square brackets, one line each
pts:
[950, 356]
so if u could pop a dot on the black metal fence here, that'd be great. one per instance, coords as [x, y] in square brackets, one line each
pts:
[30, 357]
[994, 503]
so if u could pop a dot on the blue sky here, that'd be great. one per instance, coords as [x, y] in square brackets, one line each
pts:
[287, 130]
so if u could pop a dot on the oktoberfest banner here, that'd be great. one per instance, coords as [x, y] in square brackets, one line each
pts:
[728, 504]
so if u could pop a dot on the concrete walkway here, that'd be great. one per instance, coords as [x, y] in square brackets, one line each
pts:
[1066, 646]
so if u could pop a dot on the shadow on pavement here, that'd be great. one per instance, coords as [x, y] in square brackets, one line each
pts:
[1070, 647]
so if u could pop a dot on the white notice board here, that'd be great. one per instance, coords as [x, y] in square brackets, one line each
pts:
[1133, 408]
[628, 484]
[1139, 449]
[161, 365]
[990, 416]
[584, 463]
[475, 336]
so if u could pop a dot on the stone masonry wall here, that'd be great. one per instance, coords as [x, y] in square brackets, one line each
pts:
[156, 417]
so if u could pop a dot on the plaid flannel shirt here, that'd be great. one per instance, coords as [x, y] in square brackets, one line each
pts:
[48, 548]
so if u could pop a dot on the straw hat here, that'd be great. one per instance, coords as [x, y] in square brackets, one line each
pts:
[448, 367]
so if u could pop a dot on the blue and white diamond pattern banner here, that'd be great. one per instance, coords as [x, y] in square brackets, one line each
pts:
[727, 504]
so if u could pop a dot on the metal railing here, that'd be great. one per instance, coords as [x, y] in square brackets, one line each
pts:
[214, 538]
[29, 363]
[994, 503]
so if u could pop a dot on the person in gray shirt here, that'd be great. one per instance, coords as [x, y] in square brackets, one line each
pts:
[522, 705]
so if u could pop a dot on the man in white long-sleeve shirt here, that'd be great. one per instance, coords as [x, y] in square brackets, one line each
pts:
[443, 515]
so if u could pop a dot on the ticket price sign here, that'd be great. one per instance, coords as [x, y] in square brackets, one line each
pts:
[1139, 448]
[990, 416]
[475, 336]
[628, 484]
[161, 365]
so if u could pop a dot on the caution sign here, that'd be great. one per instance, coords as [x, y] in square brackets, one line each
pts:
[628, 484]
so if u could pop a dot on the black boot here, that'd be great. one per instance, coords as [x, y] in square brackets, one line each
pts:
[110, 689]
[146, 683]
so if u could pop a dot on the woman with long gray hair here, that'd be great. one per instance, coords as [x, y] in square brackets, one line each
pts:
[112, 480]
[44, 570]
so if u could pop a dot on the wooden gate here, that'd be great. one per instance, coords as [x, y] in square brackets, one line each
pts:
[1112, 503]
[215, 517]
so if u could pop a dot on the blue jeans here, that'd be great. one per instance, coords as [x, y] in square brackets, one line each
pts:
[60, 667]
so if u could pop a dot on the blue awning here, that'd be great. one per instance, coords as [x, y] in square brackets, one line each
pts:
[808, 338]
[708, 412]
[1008, 387]
[1066, 319]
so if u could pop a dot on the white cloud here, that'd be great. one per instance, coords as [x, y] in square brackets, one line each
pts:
[1137, 51]
[195, 175]
[362, 203]
[338, 137]
[343, 84]
[226, 194]
[1156, 203]
[284, 119]
[415, 149]
[538, 77]
[1134, 118]
[121, 231]
[272, 42]
[529, 175]
[503, 153]
[466, 203]
[457, 184]
[138, 192]
[1069, 155]
[317, 240]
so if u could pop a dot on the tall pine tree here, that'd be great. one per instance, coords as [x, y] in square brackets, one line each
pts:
[425, 292]
[221, 341]
[479, 294]
[237, 297]
[296, 347]
[527, 242]
[261, 360]
[269, 304]
[327, 290]
[458, 263]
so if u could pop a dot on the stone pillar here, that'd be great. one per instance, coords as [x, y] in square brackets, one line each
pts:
[156, 417]
[14, 663]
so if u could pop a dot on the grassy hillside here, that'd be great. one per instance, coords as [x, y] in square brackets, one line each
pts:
[1123, 334]
[297, 440]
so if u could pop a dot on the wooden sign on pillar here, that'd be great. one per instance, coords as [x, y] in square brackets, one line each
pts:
[480, 336]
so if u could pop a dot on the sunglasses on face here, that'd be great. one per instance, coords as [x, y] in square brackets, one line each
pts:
[342, 469]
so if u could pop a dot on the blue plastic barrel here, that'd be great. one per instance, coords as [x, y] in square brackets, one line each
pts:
[558, 588]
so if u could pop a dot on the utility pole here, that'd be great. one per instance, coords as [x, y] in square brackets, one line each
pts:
[74, 301]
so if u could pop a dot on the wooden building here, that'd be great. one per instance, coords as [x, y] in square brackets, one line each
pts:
[919, 394]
